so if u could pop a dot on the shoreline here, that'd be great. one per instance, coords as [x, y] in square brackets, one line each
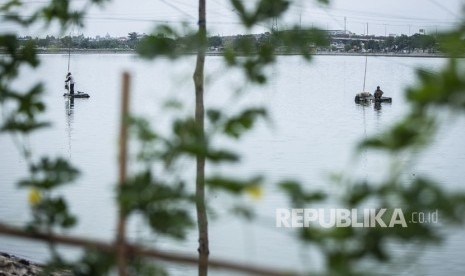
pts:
[216, 53]
[17, 266]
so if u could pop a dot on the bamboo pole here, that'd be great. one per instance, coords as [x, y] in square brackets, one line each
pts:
[134, 249]
[122, 164]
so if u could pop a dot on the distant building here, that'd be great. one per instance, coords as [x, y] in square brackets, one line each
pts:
[338, 46]
[337, 32]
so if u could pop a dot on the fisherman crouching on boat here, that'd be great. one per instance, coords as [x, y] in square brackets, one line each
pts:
[378, 93]
[70, 79]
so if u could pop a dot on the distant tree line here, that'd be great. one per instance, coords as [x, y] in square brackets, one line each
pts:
[76, 42]
[338, 43]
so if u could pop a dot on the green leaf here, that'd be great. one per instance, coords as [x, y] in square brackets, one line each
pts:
[141, 266]
[29, 54]
[214, 115]
[164, 206]
[298, 196]
[445, 89]
[24, 126]
[415, 130]
[143, 131]
[358, 193]
[93, 263]
[21, 20]
[233, 185]
[48, 174]
[9, 5]
[267, 9]
[217, 156]
[51, 212]
[229, 56]
[61, 11]
[171, 222]
[239, 124]
[451, 42]
[244, 211]
[264, 10]
[153, 46]
[173, 104]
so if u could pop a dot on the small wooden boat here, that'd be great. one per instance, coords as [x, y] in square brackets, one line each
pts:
[367, 97]
[77, 95]
[383, 100]
[364, 97]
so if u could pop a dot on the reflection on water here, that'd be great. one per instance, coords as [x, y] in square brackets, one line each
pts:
[69, 109]
[378, 106]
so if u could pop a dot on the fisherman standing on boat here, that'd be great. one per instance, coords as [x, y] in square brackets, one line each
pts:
[70, 79]
[378, 93]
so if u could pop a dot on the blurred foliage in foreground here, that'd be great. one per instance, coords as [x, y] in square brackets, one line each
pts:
[157, 193]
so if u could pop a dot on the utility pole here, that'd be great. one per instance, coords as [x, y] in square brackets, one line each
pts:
[274, 25]
[345, 25]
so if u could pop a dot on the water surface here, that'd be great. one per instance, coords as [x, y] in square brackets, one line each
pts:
[314, 128]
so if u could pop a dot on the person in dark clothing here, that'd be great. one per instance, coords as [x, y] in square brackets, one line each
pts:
[378, 93]
[70, 79]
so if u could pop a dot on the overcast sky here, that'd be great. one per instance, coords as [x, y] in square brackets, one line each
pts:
[120, 17]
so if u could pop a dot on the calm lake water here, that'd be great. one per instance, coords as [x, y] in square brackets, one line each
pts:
[314, 128]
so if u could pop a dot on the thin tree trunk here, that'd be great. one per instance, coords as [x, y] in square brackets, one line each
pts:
[202, 219]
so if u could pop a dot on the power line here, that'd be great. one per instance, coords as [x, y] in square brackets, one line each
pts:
[330, 14]
[177, 9]
[228, 9]
[444, 8]
[334, 18]
[138, 19]
[370, 16]
[323, 15]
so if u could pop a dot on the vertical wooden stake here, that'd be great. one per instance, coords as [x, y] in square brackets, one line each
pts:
[122, 164]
